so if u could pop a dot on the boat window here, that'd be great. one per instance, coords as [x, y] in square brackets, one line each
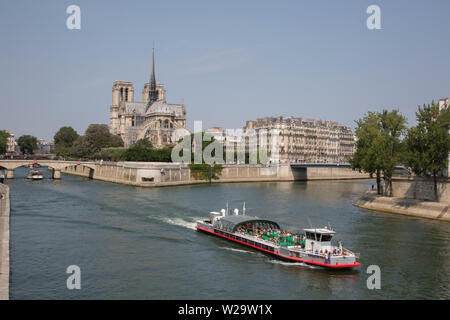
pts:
[326, 237]
[310, 235]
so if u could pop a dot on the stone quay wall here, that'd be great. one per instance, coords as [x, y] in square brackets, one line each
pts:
[410, 207]
[421, 188]
[4, 241]
[154, 174]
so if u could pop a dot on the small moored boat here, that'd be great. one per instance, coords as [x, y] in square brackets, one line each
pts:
[313, 247]
[35, 174]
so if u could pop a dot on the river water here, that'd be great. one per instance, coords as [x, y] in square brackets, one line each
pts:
[140, 243]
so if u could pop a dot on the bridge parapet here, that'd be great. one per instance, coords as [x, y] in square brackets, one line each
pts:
[54, 165]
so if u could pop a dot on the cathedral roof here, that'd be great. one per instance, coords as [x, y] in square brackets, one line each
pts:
[162, 107]
[135, 107]
[157, 107]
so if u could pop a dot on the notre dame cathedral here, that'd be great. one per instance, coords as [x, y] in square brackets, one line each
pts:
[153, 118]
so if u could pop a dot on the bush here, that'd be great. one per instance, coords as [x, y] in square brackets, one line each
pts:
[140, 153]
[111, 154]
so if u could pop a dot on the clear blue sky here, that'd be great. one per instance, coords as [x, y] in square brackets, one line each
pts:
[230, 61]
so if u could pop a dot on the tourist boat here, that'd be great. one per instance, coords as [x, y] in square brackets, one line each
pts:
[35, 175]
[314, 247]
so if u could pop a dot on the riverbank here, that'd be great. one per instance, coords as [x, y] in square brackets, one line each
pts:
[411, 207]
[4, 242]
[158, 174]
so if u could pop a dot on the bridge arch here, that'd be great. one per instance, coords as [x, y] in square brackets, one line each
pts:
[55, 166]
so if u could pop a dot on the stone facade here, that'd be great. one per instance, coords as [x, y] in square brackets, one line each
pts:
[307, 140]
[11, 144]
[153, 118]
[45, 147]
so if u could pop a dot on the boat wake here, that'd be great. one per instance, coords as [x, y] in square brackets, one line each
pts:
[293, 264]
[238, 250]
[181, 222]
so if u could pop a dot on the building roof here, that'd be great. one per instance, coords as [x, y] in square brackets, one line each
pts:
[158, 107]
[161, 106]
[135, 107]
[233, 222]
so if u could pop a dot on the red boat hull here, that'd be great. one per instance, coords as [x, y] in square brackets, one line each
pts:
[278, 255]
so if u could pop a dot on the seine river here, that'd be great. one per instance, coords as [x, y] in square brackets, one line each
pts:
[137, 243]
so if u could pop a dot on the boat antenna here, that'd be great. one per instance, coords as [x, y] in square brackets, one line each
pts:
[309, 221]
[243, 209]
[227, 210]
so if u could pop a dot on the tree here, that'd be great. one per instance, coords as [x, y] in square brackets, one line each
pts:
[378, 146]
[428, 143]
[64, 138]
[27, 144]
[367, 156]
[3, 141]
[80, 149]
[393, 127]
[144, 143]
[204, 171]
[97, 136]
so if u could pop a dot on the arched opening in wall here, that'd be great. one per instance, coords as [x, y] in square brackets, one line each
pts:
[126, 94]
[2, 174]
[166, 124]
[121, 94]
[91, 173]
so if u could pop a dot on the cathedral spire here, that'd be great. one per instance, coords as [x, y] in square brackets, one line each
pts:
[152, 93]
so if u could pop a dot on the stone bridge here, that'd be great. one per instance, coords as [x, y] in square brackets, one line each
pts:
[55, 166]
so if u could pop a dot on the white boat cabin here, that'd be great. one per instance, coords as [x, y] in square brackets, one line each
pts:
[319, 239]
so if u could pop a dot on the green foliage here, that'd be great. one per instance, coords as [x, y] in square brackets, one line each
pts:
[367, 157]
[393, 127]
[143, 143]
[444, 118]
[428, 143]
[65, 153]
[215, 150]
[111, 154]
[81, 149]
[209, 140]
[3, 140]
[27, 144]
[378, 146]
[140, 153]
[205, 171]
[64, 138]
[96, 138]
